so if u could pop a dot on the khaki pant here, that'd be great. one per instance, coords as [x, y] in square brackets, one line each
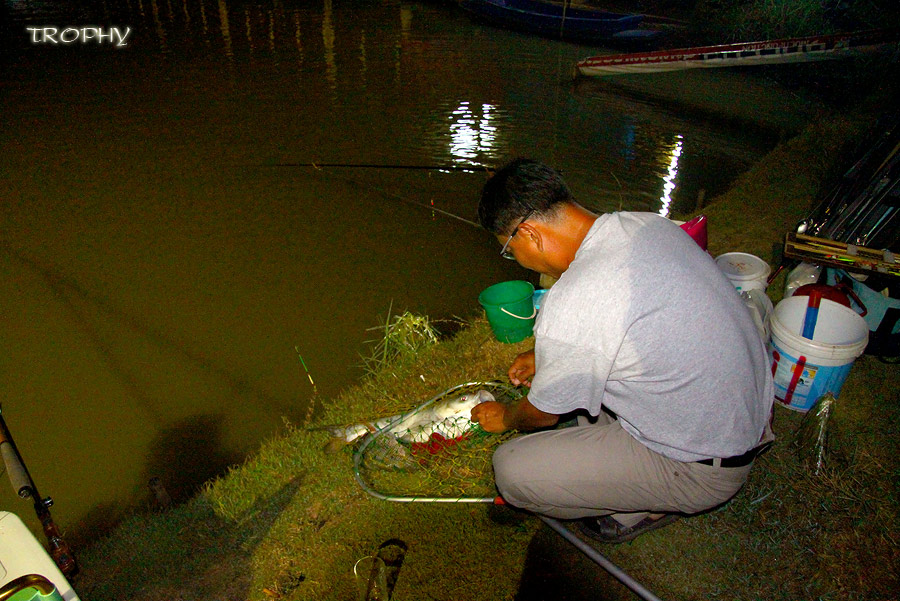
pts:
[600, 469]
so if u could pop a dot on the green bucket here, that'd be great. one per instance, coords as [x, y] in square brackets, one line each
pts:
[510, 310]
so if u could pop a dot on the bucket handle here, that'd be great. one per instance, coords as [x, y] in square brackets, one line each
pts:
[517, 316]
[847, 288]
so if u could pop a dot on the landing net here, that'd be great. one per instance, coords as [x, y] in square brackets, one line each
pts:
[454, 467]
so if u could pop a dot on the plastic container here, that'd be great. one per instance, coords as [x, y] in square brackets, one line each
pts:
[801, 275]
[537, 297]
[32, 593]
[509, 307]
[760, 307]
[832, 293]
[876, 303]
[696, 229]
[746, 271]
[805, 369]
[21, 555]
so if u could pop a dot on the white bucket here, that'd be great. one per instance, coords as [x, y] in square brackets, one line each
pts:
[746, 271]
[803, 369]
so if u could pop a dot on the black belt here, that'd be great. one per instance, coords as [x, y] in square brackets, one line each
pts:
[737, 460]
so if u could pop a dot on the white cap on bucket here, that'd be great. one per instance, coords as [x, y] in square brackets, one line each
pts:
[745, 271]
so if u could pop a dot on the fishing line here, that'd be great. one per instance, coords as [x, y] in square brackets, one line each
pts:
[402, 199]
[319, 166]
[80, 303]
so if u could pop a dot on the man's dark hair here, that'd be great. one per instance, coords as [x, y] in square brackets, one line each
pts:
[521, 186]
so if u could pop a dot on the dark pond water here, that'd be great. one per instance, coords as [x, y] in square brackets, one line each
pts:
[161, 274]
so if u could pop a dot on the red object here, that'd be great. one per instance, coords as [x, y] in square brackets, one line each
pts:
[812, 313]
[795, 379]
[696, 229]
[435, 444]
[840, 294]
[823, 291]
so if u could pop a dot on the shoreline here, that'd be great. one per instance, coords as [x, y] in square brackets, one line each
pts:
[290, 521]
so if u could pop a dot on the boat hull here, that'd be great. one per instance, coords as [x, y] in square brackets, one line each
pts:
[790, 50]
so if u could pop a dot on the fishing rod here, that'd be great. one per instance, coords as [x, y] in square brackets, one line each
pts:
[24, 487]
[861, 209]
[464, 168]
[872, 197]
[873, 156]
[395, 196]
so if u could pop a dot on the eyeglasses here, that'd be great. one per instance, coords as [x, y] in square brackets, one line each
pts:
[507, 254]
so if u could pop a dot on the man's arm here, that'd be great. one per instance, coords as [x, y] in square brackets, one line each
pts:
[496, 417]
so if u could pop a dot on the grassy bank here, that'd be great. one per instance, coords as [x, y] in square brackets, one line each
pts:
[291, 521]
[747, 20]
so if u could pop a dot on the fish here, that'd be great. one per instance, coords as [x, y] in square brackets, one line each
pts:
[450, 418]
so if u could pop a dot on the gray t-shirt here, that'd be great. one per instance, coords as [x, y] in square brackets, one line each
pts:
[644, 323]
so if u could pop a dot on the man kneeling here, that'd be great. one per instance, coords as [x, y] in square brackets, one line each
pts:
[647, 340]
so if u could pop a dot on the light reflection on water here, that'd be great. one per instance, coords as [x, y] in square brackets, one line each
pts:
[471, 133]
[669, 180]
[163, 271]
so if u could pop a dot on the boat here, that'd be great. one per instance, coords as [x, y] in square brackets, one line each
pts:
[787, 50]
[555, 20]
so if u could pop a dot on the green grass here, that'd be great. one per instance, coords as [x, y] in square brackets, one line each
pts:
[749, 20]
[291, 521]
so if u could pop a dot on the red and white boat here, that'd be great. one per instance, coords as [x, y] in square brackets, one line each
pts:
[787, 50]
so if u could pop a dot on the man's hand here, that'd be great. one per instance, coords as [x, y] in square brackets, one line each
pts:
[522, 415]
[522, 369]
[489, 416]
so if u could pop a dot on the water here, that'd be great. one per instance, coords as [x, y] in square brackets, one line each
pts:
[161, 273]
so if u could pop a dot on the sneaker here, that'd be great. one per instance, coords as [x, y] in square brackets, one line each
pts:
[607, 530]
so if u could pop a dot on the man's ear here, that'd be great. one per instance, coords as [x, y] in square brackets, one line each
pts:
[534, 233]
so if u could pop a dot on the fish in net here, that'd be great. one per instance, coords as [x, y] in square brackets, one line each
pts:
[434, 452]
